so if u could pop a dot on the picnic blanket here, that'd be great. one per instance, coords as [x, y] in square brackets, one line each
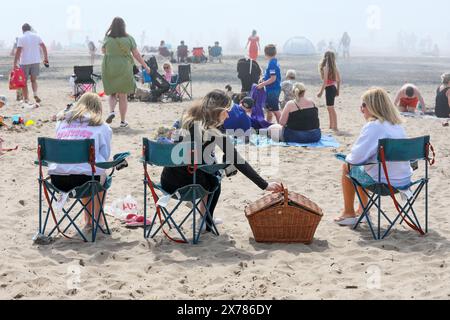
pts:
[421, 116]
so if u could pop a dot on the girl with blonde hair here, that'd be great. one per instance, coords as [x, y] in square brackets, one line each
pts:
[299, 121]
[331, 77]
[383, 122]
[201, 124]
[84, 121]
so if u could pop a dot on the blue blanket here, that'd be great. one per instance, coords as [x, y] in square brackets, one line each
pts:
[327, 141]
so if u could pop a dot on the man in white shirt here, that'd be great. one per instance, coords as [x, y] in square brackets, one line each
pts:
[29, 54]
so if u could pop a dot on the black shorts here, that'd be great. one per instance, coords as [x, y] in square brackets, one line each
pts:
[331, 93]
[68, 183]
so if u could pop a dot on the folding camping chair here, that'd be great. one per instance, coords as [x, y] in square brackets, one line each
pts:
[176, 155]
[184, 81]
[84, 80]
[72, 152]
[394, 150]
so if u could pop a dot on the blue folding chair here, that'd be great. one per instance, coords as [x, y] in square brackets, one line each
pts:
[73, 152]
[177, 155]
[393, 150]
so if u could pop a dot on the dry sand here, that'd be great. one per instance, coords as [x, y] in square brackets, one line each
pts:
[340, 264]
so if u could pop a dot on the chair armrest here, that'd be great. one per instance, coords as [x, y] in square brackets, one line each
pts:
[117, 160]
[44, 163]
[343, 158]
[340, 157]
[212, 169]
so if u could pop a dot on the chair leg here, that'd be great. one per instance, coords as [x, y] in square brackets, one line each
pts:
[40, 206]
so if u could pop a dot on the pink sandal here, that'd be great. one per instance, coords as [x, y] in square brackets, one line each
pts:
[138, 222]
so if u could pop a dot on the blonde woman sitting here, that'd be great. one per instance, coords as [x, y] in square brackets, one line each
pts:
[84, 121]
[299, 121]
[383, 122]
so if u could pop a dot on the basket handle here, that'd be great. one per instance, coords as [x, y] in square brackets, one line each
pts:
[286, 196]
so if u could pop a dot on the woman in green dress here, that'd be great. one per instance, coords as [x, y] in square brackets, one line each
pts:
[119, 49]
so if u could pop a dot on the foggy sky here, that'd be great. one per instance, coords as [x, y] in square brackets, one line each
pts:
[371, 24]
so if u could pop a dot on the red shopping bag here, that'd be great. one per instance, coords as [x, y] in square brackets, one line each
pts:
[17, 79]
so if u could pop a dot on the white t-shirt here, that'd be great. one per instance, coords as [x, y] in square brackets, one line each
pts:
[80, 131]
[365, 150]
[31, 49]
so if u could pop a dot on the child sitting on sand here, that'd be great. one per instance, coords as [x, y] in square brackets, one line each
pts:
[3, 102]
[164, 135]
[287, 88]
[409, 98]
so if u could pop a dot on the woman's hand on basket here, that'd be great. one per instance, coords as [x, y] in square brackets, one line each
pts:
[275, 187]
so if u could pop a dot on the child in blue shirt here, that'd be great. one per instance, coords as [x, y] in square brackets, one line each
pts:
[239, 117]
[272, 83]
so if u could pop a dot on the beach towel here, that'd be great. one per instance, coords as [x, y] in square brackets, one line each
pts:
[327, 141]
[421, 116]
[258, 119]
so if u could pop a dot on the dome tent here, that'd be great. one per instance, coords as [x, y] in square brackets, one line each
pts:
[299, 46]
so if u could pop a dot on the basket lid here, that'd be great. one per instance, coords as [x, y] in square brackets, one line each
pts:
[287, 198]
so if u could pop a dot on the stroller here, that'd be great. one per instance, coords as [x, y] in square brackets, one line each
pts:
[84, 80]
[249, 72]
[175, 90]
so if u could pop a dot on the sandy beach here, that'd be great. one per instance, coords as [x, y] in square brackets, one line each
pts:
[340, 264]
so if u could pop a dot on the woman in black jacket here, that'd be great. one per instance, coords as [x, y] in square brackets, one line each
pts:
[201, 125]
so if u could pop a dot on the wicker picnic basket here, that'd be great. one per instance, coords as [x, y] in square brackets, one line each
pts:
[284, 218]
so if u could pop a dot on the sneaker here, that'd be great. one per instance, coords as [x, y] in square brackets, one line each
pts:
[110, 118]
[37, 99]
[124, 125]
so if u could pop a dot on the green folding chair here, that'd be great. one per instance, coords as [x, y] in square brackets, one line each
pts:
[72, 152]
[393, 150]
[177, 155]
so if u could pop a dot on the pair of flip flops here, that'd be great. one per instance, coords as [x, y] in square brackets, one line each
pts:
[135, 221]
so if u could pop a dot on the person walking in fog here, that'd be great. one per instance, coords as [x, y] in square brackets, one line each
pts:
[28, 54]
[117, 68]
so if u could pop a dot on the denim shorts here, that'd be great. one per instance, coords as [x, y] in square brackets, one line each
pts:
[273, 100]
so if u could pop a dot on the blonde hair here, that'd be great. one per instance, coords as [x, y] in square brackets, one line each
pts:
[291, 74]
[329, 61]
[168, 64]
[207, 112]
[380, 105]
[88, 107]
[298, 90]
[445, 78]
